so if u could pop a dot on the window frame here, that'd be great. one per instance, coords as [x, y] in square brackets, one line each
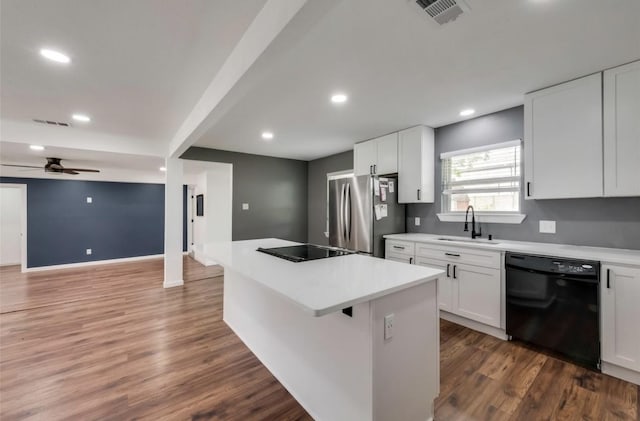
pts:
[508, 217]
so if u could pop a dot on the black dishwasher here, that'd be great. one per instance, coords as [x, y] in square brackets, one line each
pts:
[553, 303]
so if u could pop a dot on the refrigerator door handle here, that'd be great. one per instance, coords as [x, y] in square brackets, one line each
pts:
[347, 218]
[343, 212]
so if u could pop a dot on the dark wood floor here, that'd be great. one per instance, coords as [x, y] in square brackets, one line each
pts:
[484, 378]
[123, 347]
[109, 343]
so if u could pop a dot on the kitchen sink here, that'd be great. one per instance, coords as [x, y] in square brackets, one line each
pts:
[469, 240]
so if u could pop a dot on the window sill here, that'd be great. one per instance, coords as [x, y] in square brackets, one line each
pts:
[487, 218]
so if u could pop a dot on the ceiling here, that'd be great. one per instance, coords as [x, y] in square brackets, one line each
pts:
[138, 68]
[401, 69]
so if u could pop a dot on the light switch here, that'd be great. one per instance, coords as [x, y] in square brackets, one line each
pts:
[89, 199]
[548, 227]
[88, 252]
[245, 206]
[417, 221]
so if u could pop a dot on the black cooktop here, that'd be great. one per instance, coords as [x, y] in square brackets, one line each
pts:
[303, 253]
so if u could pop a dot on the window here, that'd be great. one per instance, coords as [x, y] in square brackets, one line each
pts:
[488, 178]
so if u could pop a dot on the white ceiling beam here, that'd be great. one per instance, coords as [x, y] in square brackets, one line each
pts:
[270, 21]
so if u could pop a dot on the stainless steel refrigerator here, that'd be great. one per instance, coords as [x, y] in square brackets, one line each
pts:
[361, 210]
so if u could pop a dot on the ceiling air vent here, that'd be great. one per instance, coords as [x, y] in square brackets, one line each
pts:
[443, 11]
[52, 123]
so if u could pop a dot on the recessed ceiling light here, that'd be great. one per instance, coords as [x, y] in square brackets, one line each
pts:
[56, 56]
[267, 135]
[339, 98]
[467, 112]
[81, 117]
[36, 147]
[163, 168]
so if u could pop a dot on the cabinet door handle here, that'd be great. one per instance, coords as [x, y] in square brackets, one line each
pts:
[528, 189]
[399, 247]
[410, 260]
[608, 278]
[371, 169]
[375, 168]
[452, 254]
[418, 194]
[454, 271]
[448, 264]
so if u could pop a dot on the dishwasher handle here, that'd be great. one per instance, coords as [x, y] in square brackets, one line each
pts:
[591, 279]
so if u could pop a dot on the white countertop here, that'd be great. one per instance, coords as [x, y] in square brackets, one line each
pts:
[602, 254]
[319, 286]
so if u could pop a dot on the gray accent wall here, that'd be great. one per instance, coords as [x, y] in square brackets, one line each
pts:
[604, 222]
[274, 188]
[317, 196]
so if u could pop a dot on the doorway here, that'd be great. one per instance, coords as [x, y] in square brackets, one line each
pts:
[13, 225]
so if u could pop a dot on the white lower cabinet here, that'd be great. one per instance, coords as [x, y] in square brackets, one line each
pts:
[478, 292]
[620, 312]
[471, 286]
[399, 251]
[445, 284]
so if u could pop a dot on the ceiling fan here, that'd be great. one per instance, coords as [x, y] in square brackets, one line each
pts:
[54, 165]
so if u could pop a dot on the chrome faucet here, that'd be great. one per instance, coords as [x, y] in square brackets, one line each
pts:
[474, 234]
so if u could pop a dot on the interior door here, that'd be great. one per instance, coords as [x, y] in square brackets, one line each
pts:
[10, 226]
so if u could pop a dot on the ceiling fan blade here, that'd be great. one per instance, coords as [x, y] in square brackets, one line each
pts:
[21, 166]
[69, 171]
[81, 169]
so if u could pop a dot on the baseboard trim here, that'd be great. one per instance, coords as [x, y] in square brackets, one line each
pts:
[472, 324]
[10, 264]
[174, 283]
[94, 262]
[621, 373]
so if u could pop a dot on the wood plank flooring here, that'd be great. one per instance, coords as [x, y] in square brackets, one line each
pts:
[123, 347]
[484, 378]
[109, 343]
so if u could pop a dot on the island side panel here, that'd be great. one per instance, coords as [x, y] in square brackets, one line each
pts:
[406, 374]
[324, 362]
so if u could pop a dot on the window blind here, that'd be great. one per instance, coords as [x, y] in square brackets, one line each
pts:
[489, 179]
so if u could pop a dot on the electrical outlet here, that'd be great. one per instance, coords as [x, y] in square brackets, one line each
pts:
[89, 200]
[417, 221]
[245, 206]
[388, 326]
[88, 252]
[548, 227]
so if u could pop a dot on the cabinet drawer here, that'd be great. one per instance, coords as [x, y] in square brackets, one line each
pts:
[490, 259]
[398, 257]
[400, 247]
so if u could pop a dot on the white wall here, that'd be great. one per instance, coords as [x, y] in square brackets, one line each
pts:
[215, 182]
[10, 226]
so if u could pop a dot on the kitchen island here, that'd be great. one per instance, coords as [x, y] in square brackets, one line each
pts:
[338, 366]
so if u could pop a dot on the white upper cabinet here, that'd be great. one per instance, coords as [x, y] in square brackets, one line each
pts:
[622, 130]
[563, 140]
[416, 165]
[365, 154]
[376, 156]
